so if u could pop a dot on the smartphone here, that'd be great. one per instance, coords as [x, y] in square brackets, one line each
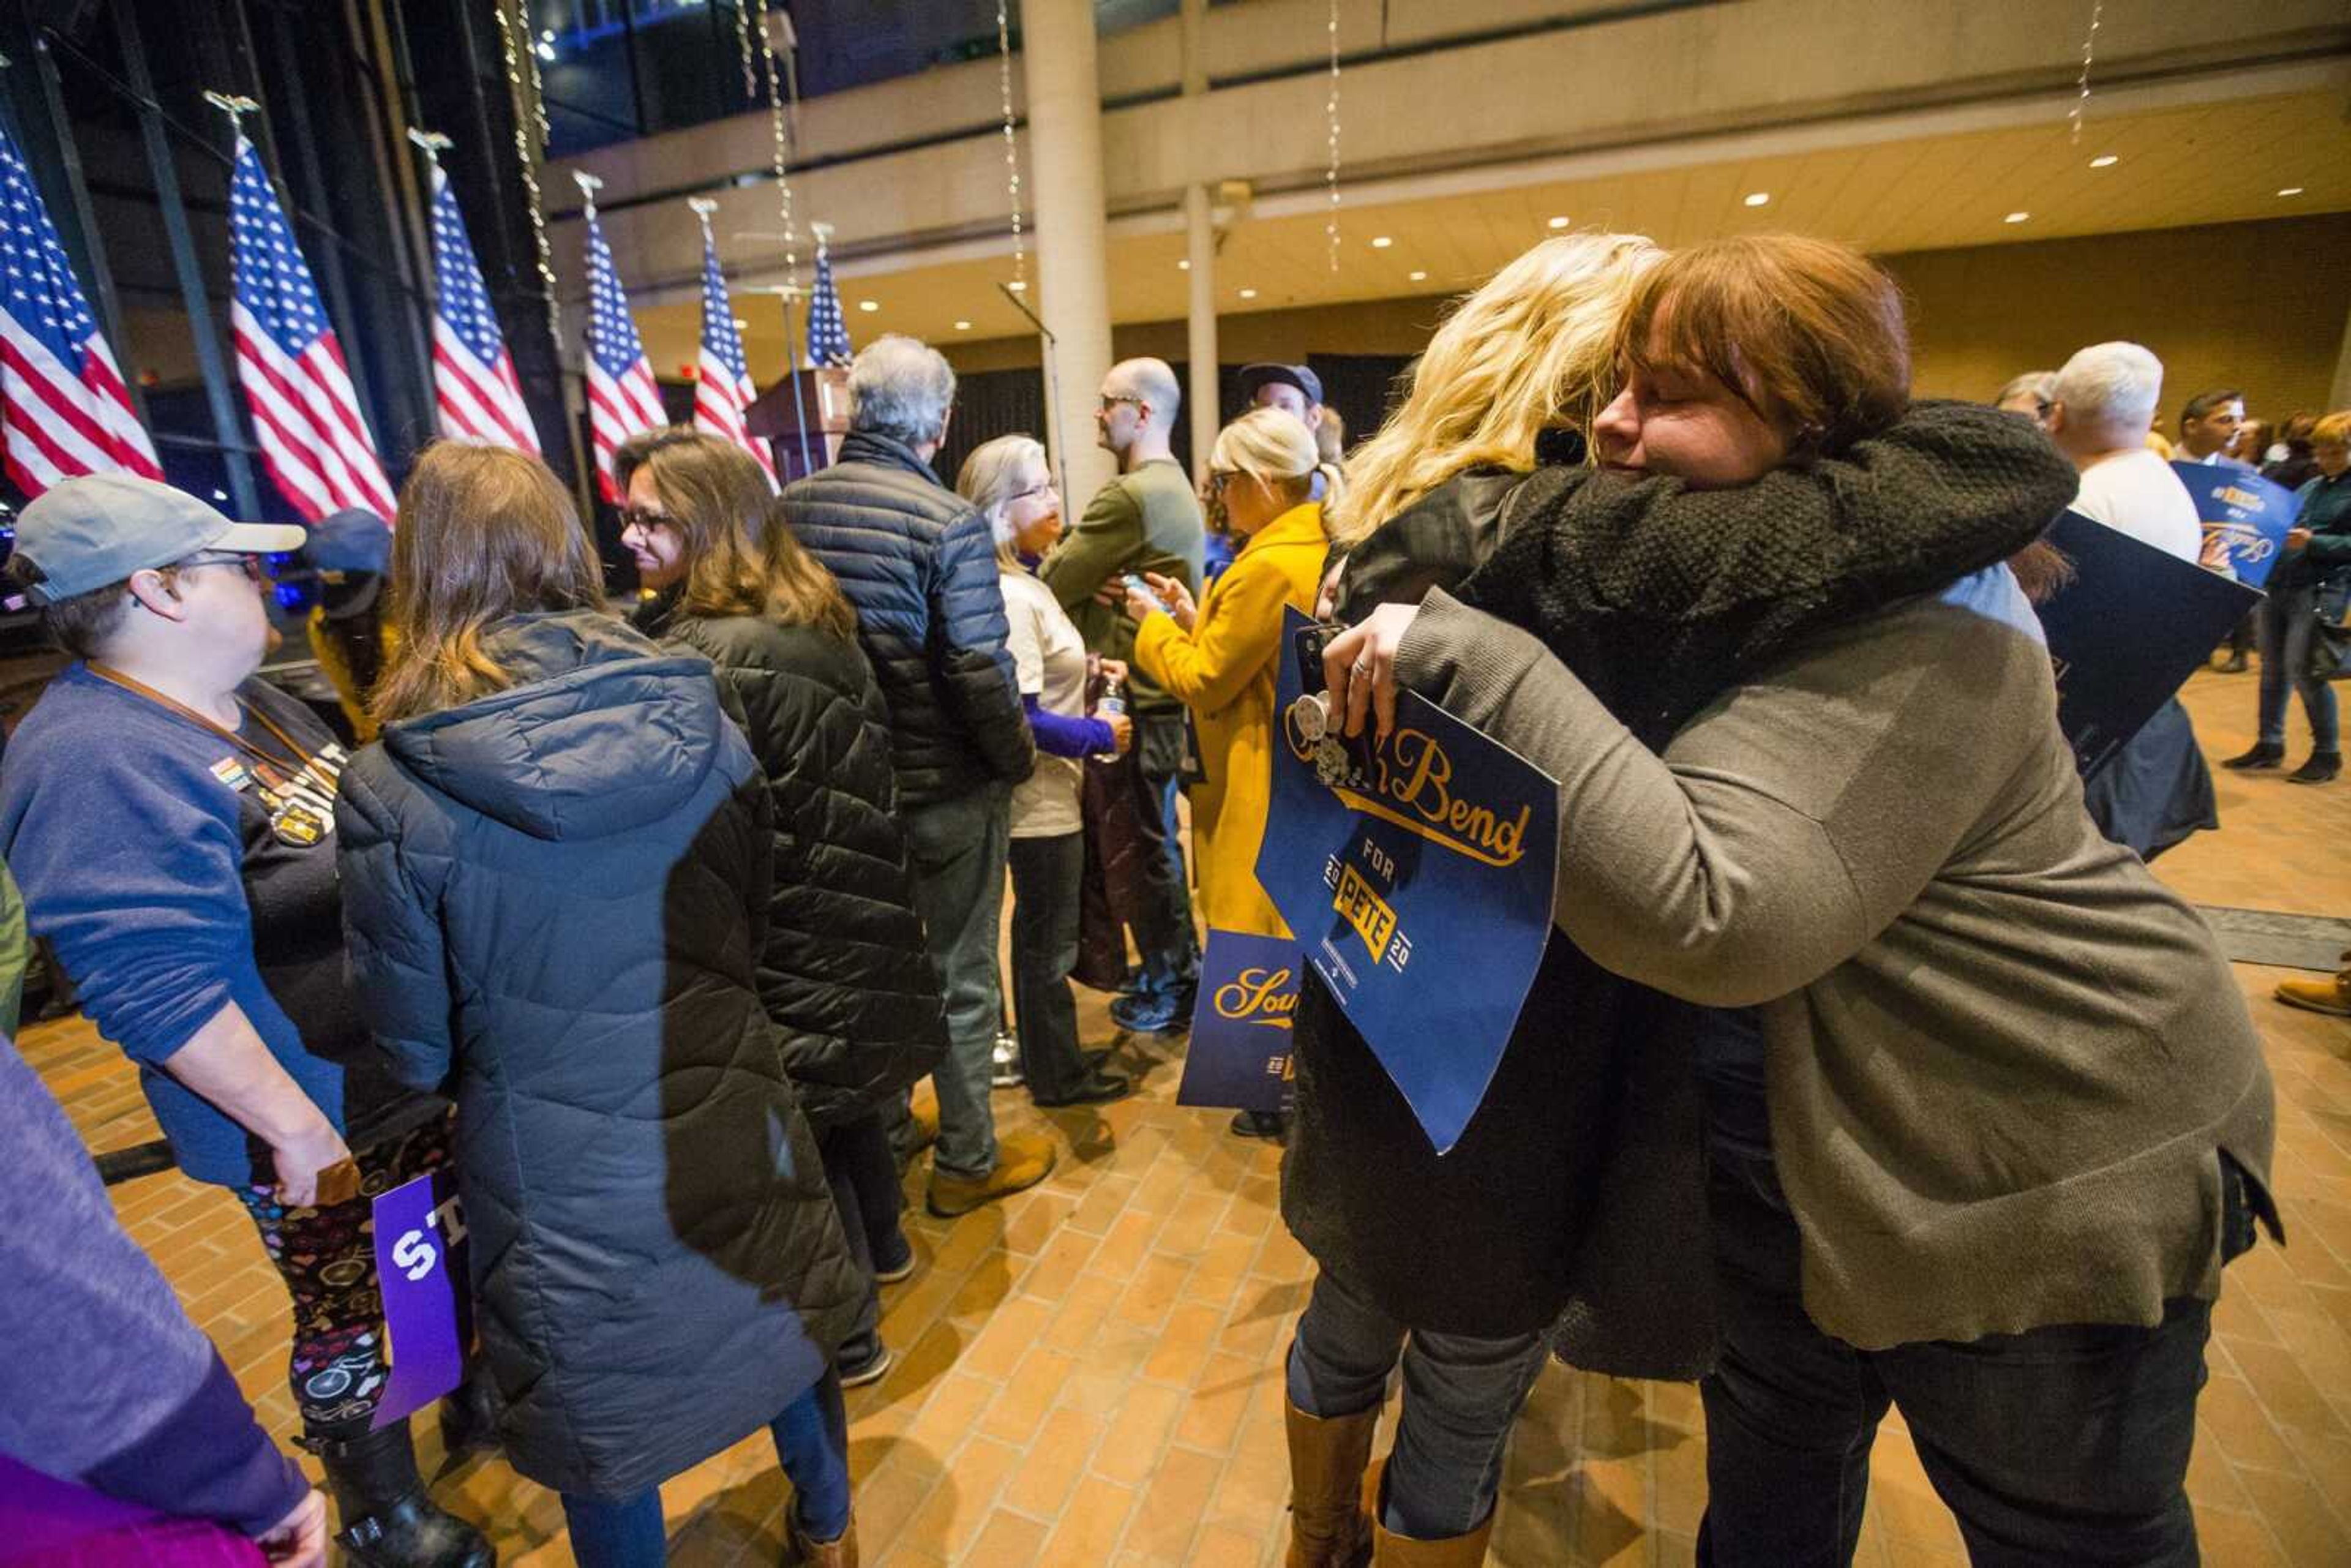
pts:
[1139, 586]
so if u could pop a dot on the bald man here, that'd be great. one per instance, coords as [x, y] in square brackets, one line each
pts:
[1146, 519]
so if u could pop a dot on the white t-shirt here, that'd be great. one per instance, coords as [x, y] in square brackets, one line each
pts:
[1049, 659]
[2138, 494]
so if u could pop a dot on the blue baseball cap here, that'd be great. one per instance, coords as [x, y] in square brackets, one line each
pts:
[100, 528]
[1299, 376]
[354, 539]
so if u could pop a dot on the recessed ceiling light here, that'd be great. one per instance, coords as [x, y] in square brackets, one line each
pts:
[1381, 242]
[1018, 286]
[869, 305]
[1561, 223]
[963, 325]
[2105, 160]
[2015, 217]
[1248, 293]
[1757, 198]
[1420, 278]
[2290, 191]
[1184, 265]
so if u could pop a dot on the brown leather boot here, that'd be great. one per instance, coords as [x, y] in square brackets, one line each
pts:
[1327, 1527]
[1022, 1160]
[1390, 1549]
[800, 1551]
[2319, 996]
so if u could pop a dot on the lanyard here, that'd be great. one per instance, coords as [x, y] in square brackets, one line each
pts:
[303, 759]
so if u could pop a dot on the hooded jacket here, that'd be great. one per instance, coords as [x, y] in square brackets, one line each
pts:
[845, 974]
[556, 897]
[919, 563]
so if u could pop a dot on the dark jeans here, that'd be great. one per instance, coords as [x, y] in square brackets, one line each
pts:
[812, 1442]
[1460, 1395]
[2288, 619]
[859, 1166]
[959, 853]
[1045, 878]
[2062, 1444]
[1163, 924]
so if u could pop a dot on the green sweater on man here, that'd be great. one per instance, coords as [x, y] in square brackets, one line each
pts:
[1147, 520]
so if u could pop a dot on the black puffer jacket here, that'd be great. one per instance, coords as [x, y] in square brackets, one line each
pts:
[919, 563]
[1659, 598]
[555, 899]
[845, 974]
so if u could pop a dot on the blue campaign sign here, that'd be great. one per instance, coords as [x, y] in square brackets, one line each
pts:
[2127, 631]
[2240, 506]
[1238, 1055]
[1417, 873]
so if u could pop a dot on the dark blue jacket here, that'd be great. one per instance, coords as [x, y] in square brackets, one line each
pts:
[919, 563]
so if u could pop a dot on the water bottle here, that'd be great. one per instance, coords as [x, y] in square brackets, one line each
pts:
[1114, 701]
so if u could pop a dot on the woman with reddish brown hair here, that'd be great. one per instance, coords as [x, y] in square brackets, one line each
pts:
[2006, 1116]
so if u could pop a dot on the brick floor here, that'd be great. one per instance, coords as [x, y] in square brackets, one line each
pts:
[1090, 1372]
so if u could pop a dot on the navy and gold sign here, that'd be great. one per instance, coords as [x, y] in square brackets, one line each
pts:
[1417, 873]
[2242, 513]
[1238, 1055]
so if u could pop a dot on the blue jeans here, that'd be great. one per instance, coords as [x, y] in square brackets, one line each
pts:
[1460, 1395]
[813, 1443]
[863, 1176]
[1046, 874]
[1163, 934]
[959, 848]
[2289, 620]
[2067, 1444]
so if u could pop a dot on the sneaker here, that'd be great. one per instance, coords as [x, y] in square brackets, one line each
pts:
[1260, 1124]
[1022, 1160]
[1096, 1088]
[2265, 754]
[896, 1273]
[1149, 1013]
[2235, 666]
[2321, 768]
[872, 1369]
[1005, 1071]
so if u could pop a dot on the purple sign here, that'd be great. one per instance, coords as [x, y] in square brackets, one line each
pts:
[1239, 1054]
[420, 1257]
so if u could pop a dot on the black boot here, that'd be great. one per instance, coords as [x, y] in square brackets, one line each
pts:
[2321, 768]
[469, 1422]
[387, 1520]
[2264, 754]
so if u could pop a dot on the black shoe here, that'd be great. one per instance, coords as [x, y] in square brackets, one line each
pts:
[1271, 1124]
[387, 1520]
[1096, 1088]
[2264, 754]
[2321, 768]
[2235, 666]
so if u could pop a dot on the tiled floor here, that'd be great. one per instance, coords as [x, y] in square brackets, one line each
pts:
[1090, 1372]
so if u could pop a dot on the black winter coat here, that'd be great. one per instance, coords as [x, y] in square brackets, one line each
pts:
[845, 973]
[1575, 1199]
[919, 563]
[555, 899]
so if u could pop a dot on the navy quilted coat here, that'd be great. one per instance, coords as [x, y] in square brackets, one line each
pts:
[919, 563]
[555, 899]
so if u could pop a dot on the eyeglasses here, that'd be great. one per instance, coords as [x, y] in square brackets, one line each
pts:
[1109, 403]
[645, 519]
[1041, 488]
[1220, 477]
[249, 564]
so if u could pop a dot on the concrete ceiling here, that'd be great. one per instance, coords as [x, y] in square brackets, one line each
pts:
[2214, 163]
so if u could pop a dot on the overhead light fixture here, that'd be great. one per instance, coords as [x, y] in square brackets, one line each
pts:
[963, 325]
[1184, 265]
[1420, 277]
[2015, 217]
[869, 306]
[1757, 198]
[1018, 286]
[1381, 242]
[2105, 160]
[1561, 223]
[2290, 191]
[1248, 293]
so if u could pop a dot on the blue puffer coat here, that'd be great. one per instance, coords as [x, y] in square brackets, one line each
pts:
[919, 563]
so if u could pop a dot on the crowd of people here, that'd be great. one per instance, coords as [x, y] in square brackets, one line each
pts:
[1869, 1067]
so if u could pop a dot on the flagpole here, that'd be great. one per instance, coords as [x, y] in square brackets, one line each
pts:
[785, 294]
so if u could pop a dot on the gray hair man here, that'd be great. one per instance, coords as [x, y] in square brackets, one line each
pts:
[1145, 520]
[919, 564]
[2157, 790]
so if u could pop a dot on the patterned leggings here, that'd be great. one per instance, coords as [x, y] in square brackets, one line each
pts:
[327, 1257]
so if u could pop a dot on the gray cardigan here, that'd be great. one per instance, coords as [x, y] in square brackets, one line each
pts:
[2001, 1055]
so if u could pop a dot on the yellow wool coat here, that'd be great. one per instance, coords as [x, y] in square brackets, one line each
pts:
[1223, 671]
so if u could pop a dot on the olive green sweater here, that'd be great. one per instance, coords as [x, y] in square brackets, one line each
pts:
[2001, 1055]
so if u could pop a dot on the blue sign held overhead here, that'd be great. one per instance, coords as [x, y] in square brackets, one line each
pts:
[2243, 514]
[1238, 1055]
[1417, 873]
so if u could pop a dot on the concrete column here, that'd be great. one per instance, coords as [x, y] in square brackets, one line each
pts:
[1200, 249]
[1072, 294]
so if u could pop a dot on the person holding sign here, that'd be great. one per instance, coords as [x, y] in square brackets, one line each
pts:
[2014, 1115]
[2317, 548]
[170, 817]
[556, 861]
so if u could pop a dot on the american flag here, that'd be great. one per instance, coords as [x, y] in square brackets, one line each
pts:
[305, 410]
[622, 397]
[473, 375]
[723, 390]
[828, 332]
[64, 410]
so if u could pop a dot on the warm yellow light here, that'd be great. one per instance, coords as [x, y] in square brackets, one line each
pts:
[1757, 198]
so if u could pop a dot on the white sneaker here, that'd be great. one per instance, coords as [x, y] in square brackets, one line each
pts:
[1005, 1073]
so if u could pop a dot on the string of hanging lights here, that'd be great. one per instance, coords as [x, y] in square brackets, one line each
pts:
[1019, 283]
[2089, 52]
[760, 70]
[529, 118]
[1331, 224]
